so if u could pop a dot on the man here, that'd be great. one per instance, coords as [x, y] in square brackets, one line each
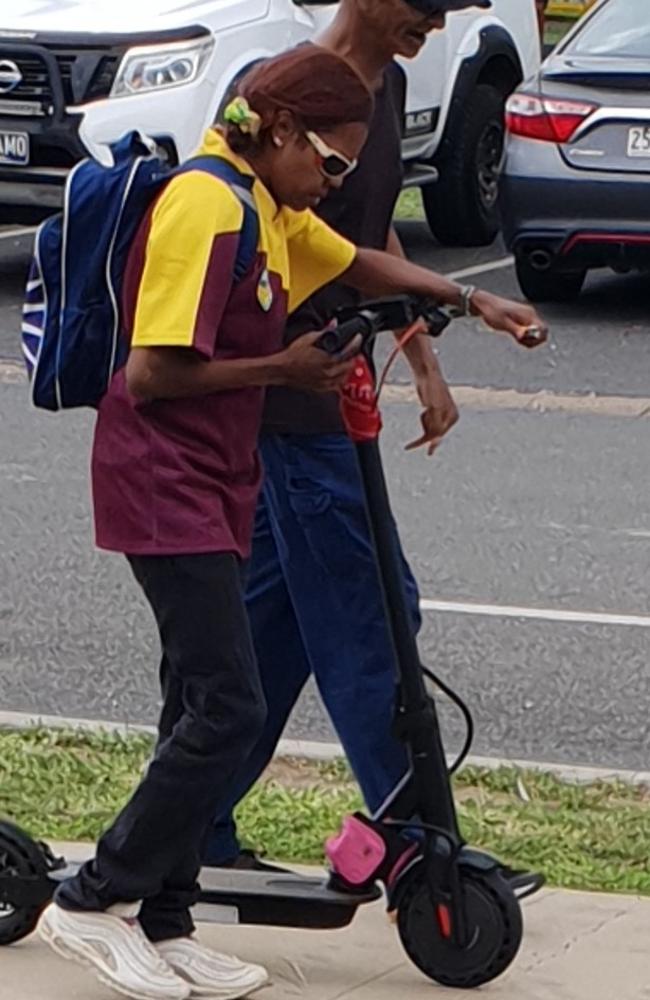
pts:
[313, 596]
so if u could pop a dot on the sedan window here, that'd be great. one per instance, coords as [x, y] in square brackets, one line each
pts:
[619, 29]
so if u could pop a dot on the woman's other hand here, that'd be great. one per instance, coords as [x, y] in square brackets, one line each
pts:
[303, 365]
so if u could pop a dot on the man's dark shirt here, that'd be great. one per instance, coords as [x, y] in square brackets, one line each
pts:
[362, 211]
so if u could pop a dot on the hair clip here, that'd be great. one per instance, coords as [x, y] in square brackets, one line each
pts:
[240, 114]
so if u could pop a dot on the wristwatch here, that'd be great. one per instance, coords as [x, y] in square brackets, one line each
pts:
[464, 308]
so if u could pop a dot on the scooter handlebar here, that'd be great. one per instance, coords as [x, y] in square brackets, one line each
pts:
[337, 338]
[373, 317]
[377, 315]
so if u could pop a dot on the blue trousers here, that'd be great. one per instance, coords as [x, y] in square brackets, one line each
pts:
[315, 607]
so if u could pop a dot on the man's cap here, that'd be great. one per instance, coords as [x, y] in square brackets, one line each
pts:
[445, 6]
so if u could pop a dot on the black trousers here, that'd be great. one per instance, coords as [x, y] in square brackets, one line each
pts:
[213, 714]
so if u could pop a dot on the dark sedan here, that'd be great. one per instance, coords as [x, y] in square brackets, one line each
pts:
[575, 193]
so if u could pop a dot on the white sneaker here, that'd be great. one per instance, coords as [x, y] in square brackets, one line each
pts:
[115, 946]
[209, 973]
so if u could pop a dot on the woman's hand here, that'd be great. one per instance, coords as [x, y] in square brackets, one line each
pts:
[302, 365]
[440, 412]
[514, 318]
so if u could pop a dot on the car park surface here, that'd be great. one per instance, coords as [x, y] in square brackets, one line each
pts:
[528, 532]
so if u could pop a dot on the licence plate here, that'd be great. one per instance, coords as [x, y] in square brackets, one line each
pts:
[14, 148]
[638, 141]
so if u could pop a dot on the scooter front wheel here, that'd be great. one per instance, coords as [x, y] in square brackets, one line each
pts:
[493, 930]
[20, 857]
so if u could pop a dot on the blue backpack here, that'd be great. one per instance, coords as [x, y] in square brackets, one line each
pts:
[71, 316]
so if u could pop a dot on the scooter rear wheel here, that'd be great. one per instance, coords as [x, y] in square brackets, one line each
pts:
[20, 856]
[494, 930]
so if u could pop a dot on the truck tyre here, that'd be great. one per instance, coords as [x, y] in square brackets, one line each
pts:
[462, 206]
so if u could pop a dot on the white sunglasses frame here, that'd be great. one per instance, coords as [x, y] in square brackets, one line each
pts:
[324, 151]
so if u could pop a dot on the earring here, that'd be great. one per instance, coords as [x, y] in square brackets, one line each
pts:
[277, 141]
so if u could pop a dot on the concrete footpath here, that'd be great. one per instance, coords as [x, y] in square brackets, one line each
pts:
[577, 946]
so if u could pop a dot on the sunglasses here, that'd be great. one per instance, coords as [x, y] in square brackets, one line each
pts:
[332, 163]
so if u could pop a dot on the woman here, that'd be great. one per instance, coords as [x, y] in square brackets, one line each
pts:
[175, 483]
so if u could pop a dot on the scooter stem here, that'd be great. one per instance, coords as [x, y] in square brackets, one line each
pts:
[429, 794]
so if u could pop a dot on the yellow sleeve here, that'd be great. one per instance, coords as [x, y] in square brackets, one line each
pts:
[189, 261]
[317, 255]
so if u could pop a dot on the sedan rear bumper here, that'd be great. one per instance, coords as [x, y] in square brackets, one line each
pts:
[559, 216]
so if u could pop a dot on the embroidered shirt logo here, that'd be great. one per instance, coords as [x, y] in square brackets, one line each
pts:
[265, 291]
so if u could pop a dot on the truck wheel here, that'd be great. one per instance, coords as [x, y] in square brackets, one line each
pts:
[549, 285]
[461, 207]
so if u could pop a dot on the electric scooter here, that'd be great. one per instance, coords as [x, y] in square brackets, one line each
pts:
[457, 914]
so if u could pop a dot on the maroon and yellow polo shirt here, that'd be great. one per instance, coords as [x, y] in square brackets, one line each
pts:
[182, 475]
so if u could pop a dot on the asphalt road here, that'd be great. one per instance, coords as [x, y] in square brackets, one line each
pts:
[540, 516]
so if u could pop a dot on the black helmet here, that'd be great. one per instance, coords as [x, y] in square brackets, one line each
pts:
[445, 6]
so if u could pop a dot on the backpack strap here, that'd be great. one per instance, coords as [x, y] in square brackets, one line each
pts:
[242, 186]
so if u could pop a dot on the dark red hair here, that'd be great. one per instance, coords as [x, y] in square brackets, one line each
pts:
[320, 90]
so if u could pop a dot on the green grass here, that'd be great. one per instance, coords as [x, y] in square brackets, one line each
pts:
[409, 205]
[68, 785]
[556, 29]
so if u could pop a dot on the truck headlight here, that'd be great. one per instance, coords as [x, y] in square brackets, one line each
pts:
[155, 67]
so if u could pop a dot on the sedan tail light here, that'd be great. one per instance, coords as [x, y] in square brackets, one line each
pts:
[548, 119]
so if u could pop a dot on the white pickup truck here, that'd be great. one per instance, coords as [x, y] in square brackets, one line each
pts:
[77, 74]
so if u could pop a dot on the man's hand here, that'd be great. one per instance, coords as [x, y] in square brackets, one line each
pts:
[302, 365]
[514, 318]
[439, 414]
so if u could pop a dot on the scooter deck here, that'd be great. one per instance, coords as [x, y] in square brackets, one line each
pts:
[227, 896]
[277, 898]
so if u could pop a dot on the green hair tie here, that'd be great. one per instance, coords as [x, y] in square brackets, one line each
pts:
[240, 114]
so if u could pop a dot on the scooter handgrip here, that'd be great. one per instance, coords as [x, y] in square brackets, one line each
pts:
[335, 340]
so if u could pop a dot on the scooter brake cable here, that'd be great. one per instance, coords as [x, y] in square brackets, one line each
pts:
[419, 326]
[467, 715]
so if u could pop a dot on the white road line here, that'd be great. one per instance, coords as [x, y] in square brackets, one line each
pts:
[540, 614]
[578, 773]
[315, 750]
[12, 371]
[485, 398]
[28, 720]
[472, 398]
[10, 234]
[490, 265]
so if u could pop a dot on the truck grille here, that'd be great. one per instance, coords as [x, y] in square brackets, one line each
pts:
[34, 90]
[85, 75]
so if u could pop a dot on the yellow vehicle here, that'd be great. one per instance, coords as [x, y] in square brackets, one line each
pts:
[568, 8]
[559, 16]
